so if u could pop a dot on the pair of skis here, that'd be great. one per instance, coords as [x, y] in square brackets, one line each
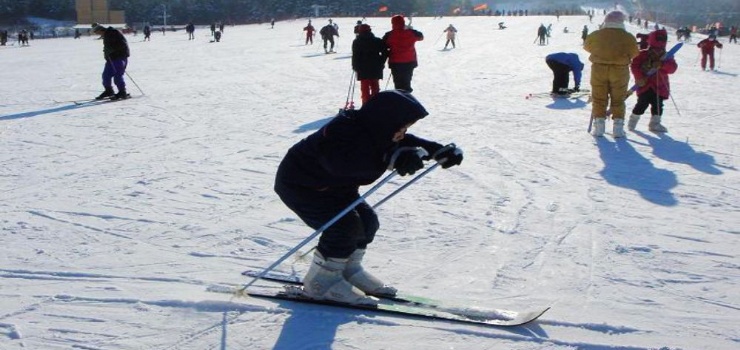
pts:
[94, 100]
[401, 305]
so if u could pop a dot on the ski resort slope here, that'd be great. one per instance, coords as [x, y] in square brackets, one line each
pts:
[116, 218]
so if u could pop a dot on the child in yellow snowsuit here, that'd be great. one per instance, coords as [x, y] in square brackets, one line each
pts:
[612, 49]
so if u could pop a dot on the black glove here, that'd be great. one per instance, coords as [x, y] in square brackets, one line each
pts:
[407, 160]
[448, 156]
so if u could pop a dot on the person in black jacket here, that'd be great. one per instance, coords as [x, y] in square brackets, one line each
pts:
[368, 59]
[327, 34]
[116, 53]
[320, 176]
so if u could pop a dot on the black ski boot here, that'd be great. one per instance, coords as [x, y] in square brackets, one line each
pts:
[107, 93]
[121, 95]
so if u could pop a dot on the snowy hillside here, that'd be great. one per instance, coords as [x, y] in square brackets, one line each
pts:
[116, 218]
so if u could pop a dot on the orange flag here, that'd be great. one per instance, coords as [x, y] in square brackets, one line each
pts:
[383, 9]
[480, 7]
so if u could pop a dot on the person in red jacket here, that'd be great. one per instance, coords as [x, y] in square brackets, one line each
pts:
[309, 29]
[401, 52]
[651, 74]
[707, 50]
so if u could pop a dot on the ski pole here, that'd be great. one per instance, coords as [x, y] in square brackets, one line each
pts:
[317, 232]
[388, 80]
[134, 81]
[350, 89]
[719, 62]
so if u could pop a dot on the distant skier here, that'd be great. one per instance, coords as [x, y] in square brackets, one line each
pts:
[584, 33]
[217, 36]
[327, 33]
[272, 24]
[653, 89]
[542, 34]
[356, 30]
[561, 64]
[3, 37]
[707, 51]
[310, 30]
[147, 33]
[190, 28]
[116, 53]
[733, 34]
[451, 33]
[368, 59]
[612, 49]
[501, 26]
[402, 60]
[320, 176]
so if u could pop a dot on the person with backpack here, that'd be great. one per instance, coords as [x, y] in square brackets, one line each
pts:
[369, 54]
[327, 33]
[320, 176]
[651, 71]
[401, 42]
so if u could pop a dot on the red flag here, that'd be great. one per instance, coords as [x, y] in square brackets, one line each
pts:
[480, 7]
[383, 9]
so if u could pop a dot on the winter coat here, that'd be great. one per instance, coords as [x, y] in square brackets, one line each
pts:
[400, 42]
[328, 31]
[309, 29]
[611, 46]
[571, 60]
[658, 82]
[355, 147]
[707, 46]
[451, 31]
[115, 46]
[368, 56]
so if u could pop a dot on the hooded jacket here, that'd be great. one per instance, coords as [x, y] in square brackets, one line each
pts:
[611, 45]
[368, 55]
[115, 46]
[640, 66]
[400, 42]
[355, 147]
[571, 60]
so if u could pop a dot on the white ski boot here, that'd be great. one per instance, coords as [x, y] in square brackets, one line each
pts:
[632, 124]
[655, 125]
[356, 274]
[324, 281]
[618, 128]
[599, 127]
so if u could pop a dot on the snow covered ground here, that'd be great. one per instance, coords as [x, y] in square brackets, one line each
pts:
[116, 218]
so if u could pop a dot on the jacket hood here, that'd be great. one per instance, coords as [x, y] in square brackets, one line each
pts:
[398, 22]
[614, 19]
[658, 39]
[387, 112]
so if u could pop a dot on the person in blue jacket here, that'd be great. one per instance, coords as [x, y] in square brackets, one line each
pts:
[561, 64]
[320, 176]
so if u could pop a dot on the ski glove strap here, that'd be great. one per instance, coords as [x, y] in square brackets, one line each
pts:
[407, 160]
[448, 156]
